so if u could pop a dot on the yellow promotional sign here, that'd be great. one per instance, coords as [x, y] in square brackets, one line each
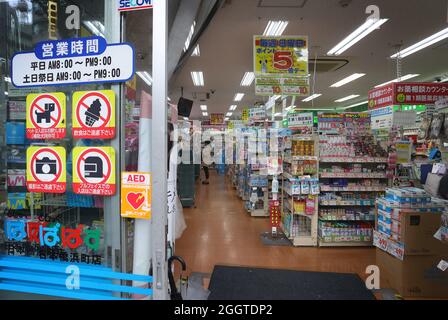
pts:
[45, 116]
[136, 195]
[94, 171]
[46, 169]
[245, 115]
[93, 114]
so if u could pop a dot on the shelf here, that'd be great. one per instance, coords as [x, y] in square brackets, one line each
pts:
[290, 159]
[346, 244]
[289, 176]
[351, 203]
[358, 189]
[353, 175]
[353, 160]
[325, 218]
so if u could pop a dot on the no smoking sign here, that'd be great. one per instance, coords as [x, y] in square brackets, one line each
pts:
[94, 171]
[45, 116]
[46, 169]
[94, 114]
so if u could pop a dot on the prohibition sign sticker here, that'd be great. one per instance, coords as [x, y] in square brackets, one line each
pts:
[94, 114]
[46, 169]
[45, 116]
[94, 171]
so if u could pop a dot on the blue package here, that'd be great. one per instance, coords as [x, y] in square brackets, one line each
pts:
[15, 133]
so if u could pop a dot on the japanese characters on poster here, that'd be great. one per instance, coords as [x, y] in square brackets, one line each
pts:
[281, 65]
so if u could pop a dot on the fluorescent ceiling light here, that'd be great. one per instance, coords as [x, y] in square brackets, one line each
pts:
[203, 107]
[365, 29]
[205, 114]
[229, 114]
[353, 96]
[190, 36]
[186, 119]
[275, 28]
[278, 114]
[198, 78]
[355, 105]
[349, 79]
[145, 77]
[226, 119]
[233, 108]
[404, 78]
[248, 78]
[239, 97]
[196, 52]
[437, 37]
[314, 96]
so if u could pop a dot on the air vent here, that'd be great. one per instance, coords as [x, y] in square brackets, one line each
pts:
[282, 3]
[327, 65]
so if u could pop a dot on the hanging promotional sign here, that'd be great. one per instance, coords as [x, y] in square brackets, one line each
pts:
[298, 120]
[133, 5]
[216, 119]
[245, 115]
[45, 116]
[94, 171]
[136, 195]
[73, 62]
[46, 169]
[382, 118]
[94, 115]
[281, 65]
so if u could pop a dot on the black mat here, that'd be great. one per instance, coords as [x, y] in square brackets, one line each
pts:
[237, 283]
[280, 240]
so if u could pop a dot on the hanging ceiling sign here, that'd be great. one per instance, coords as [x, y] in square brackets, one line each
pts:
[217, 119]
[45, 116]
[46, 170]
[73, 62]
[94, 171]
[281, 66]
[132, 5]
[136, 195]
[94, 115]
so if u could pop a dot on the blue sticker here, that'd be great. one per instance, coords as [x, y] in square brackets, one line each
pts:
[15, 133]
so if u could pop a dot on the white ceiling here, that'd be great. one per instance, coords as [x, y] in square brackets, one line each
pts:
[227, 51]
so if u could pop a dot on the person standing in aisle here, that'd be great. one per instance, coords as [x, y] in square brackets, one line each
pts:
[204, 164]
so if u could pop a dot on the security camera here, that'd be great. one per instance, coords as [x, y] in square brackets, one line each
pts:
[344, 3]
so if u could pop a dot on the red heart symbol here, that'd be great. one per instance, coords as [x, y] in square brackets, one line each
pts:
[136, 200]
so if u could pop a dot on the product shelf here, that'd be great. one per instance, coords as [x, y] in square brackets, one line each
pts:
[353, 175]
[357, 189]
[353, 160]
[346, 244]
[348, 203]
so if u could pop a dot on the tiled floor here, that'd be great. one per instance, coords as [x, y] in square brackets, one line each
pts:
[220, 231]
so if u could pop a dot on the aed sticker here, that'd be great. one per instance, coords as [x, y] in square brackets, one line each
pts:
[45, 116]
[136, 195]
[94, 115]
[46, 169]
[94, 171]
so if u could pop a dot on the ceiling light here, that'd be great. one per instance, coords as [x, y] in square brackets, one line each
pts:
[198, 78]
[186, 119]
[355, 105]
[351, 78]
[353, 96]
[229, 114]
[365, 29]
[145, 77]
[248, 79]
[233, 108]
[190, 36]
[314, 96]
[226, 119]
[196, 52]
[437, 37]
[205, 114]
[404, 78]
[239, 97]
[275, 28]
[203, 108]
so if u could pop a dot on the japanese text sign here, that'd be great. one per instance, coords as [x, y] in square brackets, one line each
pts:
[73, 62]
[45, 116]
[300, 120]
[94, 115]
[136, 195]
[94, 171]
[46, 169]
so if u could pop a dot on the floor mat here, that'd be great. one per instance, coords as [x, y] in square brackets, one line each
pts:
[239, 283]
[281, 240]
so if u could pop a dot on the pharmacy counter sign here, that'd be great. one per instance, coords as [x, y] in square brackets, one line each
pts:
[94, 171]
[94, 115]
[46, 170]
[136, 195]
[73, 62]
[45, 116]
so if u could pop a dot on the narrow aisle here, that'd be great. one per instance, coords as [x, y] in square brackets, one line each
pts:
[220, 232]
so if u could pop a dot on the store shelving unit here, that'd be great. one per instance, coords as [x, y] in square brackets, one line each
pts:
[299, 204]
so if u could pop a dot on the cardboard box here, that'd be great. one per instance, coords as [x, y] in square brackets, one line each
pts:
[415, 276]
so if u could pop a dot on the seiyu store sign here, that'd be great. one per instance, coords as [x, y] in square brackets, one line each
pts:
[73, 62]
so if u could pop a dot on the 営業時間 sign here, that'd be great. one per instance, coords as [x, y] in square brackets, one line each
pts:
[73, 61]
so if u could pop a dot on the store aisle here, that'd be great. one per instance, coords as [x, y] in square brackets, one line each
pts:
[219, 231]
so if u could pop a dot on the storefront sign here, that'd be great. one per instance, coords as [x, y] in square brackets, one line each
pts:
[382, 118]
[216, 119]
[407, 93]
[94, 115]
[45, 116]
[46, 169]
[94, 171]
[281, 65]
[136, 195]
[132, 5]
[73, 62]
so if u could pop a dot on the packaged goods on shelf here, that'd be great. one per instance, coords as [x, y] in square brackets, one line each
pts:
[350, 214]
[303, 186]
[345, 232]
